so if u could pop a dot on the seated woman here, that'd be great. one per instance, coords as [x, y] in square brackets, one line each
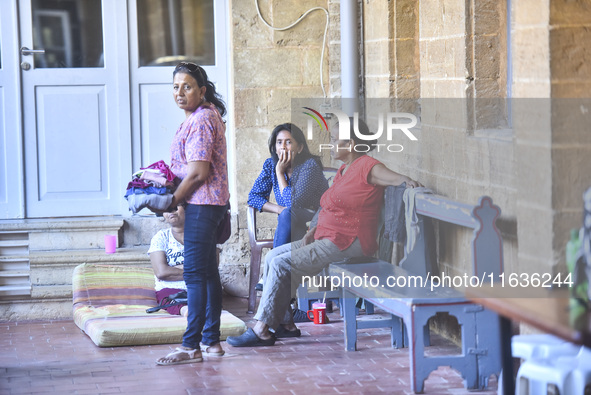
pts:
[347, 227]
[296, 178]
[167, 255]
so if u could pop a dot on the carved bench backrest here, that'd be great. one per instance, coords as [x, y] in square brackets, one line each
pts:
[486, 244]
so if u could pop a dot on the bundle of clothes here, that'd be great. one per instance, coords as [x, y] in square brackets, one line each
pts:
[151, 186]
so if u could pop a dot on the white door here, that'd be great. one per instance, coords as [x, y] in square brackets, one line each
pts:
[11, 158]
[75, 127]
[162, 34]
[95, 100]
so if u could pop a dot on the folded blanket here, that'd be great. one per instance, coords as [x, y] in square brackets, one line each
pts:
[137, 202]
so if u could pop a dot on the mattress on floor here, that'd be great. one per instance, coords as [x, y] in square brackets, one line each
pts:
[110, 305]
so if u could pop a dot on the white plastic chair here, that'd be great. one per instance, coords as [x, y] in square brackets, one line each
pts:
[541, 346]
[557, 373]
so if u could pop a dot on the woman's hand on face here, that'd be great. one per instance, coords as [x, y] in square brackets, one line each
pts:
[284, 161]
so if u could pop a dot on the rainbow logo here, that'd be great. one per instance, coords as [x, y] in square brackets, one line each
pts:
[317, 117]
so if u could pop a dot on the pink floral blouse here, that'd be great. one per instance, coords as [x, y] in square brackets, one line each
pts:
[201, 138]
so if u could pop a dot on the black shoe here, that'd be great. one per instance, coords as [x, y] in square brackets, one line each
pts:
[258, 287]
[249, 339]
[300, 316]
[281, 332]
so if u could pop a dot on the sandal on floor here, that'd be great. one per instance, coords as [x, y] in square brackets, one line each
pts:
[281, 332]
[205, 348]
[179, 351]
[249, 339]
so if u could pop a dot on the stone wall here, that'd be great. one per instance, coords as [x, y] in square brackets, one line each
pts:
[570, 57]
[528, 155]
[269, 69]
[452, 57]
[551, 51]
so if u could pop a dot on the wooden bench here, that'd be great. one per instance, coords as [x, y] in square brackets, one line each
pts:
[410, 305]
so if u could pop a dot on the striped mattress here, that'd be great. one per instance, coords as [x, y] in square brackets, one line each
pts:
[110, 302]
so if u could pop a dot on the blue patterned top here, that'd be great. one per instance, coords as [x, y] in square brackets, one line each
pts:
[305, 187]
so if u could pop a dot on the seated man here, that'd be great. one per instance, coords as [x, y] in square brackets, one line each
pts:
[167, 255]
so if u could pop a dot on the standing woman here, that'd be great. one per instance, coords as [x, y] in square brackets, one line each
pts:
[198, 157]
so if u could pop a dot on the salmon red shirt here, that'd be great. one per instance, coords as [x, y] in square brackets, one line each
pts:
[351, 206]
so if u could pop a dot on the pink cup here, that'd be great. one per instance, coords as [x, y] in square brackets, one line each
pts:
[110, 244]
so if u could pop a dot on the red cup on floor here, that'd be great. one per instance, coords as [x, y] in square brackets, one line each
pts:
[318, 313]
[110, 244]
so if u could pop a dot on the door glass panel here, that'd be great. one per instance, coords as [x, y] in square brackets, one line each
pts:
[70, 32]
[170, 31]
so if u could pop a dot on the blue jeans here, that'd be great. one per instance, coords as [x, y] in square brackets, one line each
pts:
[291, 225]
[204, 288]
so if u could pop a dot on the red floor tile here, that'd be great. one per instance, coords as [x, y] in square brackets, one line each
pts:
[56, 357]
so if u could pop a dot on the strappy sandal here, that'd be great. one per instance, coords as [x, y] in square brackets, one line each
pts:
[205, 349]
[191, 353]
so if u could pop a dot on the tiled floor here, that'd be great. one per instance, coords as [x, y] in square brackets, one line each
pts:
[57, 358]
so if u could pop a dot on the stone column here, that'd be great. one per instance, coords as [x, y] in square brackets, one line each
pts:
[570, 85]
[269, 69]
[532, 128]
[551, 52]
